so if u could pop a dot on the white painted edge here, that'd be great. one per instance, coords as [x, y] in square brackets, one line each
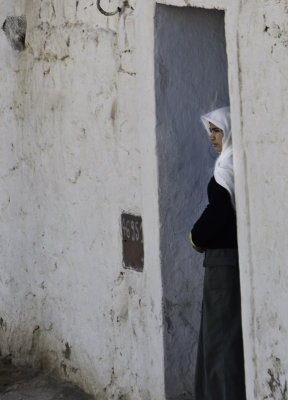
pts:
[242, 199]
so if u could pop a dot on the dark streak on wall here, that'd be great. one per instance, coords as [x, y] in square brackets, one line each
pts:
[15, 31]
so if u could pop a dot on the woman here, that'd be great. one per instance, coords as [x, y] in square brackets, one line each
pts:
[220, 365]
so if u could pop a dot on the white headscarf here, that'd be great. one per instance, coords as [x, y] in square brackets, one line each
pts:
[223, 171]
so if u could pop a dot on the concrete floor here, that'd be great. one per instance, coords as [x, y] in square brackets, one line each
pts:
[25, 384]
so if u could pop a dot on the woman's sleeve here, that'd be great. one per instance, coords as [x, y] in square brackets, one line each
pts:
[214, 220]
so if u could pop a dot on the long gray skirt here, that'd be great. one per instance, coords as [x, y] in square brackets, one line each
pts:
[220, 365]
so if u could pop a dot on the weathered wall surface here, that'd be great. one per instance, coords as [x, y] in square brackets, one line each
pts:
[263, 60]
[78, 146]
[70, 163]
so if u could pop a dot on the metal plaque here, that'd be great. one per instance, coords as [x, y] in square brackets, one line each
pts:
[132, 240]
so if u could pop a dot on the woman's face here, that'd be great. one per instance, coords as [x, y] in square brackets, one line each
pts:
[216, 136]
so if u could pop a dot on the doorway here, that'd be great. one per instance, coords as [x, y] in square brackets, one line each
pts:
[190, 80]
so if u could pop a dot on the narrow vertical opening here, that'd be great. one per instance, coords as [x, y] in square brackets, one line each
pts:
[190, 80]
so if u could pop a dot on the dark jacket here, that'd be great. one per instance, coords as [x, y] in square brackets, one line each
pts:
[216, 228]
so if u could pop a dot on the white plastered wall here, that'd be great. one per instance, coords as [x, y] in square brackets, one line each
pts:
[78, 147]
[263, 61]
[71, 162]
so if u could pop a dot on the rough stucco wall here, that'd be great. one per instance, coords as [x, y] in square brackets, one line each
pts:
[263, 60]
[42, 153]
[70, 163]
[191, 79]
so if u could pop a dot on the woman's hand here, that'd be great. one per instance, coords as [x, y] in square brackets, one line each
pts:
[199, 249]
